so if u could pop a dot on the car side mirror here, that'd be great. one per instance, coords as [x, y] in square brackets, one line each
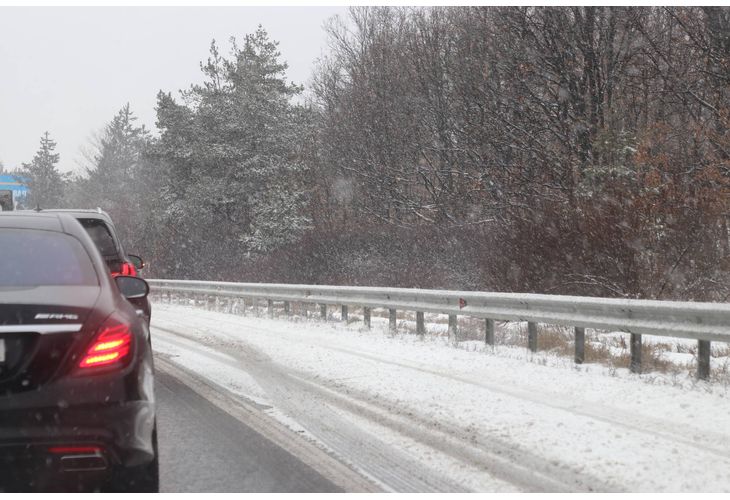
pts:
[136, 261]
[131, 287]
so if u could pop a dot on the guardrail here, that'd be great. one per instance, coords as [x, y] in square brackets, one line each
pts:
[701, 321]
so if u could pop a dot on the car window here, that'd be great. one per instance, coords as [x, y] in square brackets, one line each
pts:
[36, 258]
[102, 237]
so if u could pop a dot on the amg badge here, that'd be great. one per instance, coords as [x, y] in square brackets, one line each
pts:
[56, 316]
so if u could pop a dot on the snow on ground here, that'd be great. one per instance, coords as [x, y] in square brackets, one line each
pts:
[486, 419]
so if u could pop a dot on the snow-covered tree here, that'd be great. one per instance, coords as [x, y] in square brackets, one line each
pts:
[116, 175]
[233, 149]
[117, 157]
[45, 182]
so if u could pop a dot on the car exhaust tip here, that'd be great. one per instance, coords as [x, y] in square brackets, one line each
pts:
[83, 463]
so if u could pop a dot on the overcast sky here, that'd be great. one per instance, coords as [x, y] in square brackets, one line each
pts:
[69, 69]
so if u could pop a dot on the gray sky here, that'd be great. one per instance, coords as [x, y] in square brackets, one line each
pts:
[68, 70]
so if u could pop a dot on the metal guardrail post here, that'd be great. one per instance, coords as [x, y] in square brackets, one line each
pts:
[270, 307]
[635, 365]
[392, 326]
[532, 336]
[489, 331]
[453, 333]
[366, 316]
[420, 324]
[580, 344]
[323, 311]
[703, 359]
[344, 314]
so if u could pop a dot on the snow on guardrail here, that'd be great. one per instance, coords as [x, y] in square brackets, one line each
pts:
[701, 321]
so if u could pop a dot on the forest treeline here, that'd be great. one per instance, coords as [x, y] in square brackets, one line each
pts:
[572, 150]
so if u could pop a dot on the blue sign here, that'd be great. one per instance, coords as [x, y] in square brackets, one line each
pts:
[14, 183]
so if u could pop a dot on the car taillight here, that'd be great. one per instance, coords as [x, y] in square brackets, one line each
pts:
[110, 346]
[127, 269]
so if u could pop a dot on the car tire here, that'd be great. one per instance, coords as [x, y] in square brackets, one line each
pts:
[138, 479]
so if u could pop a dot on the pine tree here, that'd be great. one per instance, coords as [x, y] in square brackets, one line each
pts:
[119, 178]
[45, 182]
[116, 162]
[233, 149]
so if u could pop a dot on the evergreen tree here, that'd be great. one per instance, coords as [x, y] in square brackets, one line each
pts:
[45, 182]
[117, 157]
[112, 178]
[119, 178]
[234, 153]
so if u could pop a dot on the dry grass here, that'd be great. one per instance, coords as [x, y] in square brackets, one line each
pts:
[561, 342]
[651, 360]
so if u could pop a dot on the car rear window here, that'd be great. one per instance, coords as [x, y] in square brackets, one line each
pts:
[102, 237]
[43, 258]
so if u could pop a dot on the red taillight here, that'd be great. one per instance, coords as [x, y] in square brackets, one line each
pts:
[111, 345]
[127, 269]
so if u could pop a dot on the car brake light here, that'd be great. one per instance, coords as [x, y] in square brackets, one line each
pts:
[111, 345]
[127, 269]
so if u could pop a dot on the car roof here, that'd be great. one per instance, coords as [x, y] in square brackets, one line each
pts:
[84, 213]
[80, 213]
[99, 215]
[30, 220]
[58, 222]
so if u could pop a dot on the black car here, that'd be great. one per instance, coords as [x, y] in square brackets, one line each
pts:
[77, 406]
[100, 227]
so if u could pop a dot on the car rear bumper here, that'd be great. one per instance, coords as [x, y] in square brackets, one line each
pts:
[113, 413]
[125, 428]
[43, 447]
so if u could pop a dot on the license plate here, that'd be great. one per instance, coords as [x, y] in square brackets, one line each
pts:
[2, 350]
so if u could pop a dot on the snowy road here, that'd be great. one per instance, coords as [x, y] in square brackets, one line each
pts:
[206, 448]
[366, 411]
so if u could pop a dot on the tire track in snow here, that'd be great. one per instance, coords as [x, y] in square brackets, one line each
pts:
[702, 440]
[497, 457]
[251, 415]
[393, 469]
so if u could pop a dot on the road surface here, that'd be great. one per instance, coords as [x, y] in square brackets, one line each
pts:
[205, 449]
